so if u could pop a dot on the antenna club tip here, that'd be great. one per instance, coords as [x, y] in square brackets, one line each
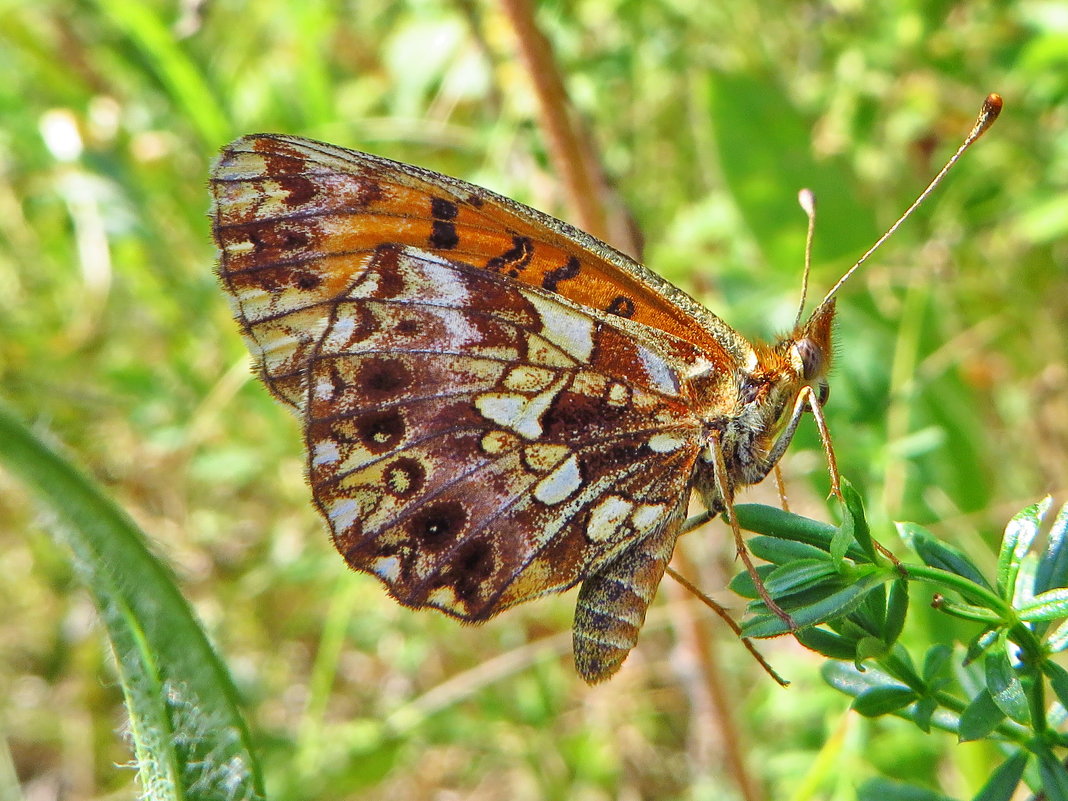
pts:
[807, 200]
[988, 113]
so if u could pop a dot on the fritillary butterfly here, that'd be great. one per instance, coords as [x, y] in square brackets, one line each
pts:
[495, 404]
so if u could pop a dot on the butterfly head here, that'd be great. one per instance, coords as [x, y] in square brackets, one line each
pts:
[766, 411]
[798, 360]
[810, 348]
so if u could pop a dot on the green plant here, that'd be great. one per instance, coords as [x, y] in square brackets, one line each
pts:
[851, 600]
[189, 739]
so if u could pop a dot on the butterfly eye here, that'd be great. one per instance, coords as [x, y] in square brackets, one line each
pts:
[811, 358]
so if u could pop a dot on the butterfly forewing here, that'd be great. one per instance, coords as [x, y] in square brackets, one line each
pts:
[330, 203]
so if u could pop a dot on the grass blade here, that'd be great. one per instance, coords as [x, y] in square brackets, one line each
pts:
[190, 740]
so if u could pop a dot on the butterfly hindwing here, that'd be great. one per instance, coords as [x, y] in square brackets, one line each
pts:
[475, 446]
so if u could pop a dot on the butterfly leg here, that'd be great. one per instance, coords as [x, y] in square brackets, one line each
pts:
[726, 616]
[726, 493]
[695, 522]
[832, 464]
[612, 603]
[808, 398]
[780, 485]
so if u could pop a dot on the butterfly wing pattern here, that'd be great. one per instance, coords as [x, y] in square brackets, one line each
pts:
[495, 405]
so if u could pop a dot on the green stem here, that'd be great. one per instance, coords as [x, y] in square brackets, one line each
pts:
[981, 598]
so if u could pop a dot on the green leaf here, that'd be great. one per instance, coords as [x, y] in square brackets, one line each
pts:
[897, 606]
[870, 648]
[924, 711]
[779, 551]
[1058, 640]
[1053, 774]
[1003, 782]
[774, 522]
[980, 717]
[190, 740]
[1019, 534]
[742, 584]
[936, 553]
[859, 530]
[903, 666]
[880, 789]
[979, 644]
[872, 613]
[847, 678]
[883, 700]
[798, 576]
[834, 605]
[1049, 605]
[1058, 680]
[1053, 568]
[1005, 686]
[935, 662]
[843, 538]
[827, 643]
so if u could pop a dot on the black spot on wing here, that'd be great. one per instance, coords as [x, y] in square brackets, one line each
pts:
[553, 278]
[621, 306]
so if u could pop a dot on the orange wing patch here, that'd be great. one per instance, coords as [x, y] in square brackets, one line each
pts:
[320, 201]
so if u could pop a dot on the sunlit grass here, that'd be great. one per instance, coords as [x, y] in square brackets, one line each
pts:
[115, 341]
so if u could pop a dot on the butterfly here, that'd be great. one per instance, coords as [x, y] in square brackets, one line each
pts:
[495, 405]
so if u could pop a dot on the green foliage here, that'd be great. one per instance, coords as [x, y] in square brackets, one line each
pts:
[188, 735]
[1016, 694]
[947, 404]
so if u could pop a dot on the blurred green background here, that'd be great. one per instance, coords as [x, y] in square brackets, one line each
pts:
[950, 391]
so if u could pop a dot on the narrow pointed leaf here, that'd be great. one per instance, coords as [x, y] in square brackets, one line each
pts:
[774, 522]
[897, 606]
[936, 553]
[779, 551]
[835, 605]
[827, 643]
[1058, 640]
[845, 677]
[860, 531]
[843, 538]
[1053, 567]
[1005, 687]
[872, 613]
[798, 576]
[935, 661]
[979, 645]
[190, 740]
[1058, 680]
[924, 711]
[1049, 605]
[742, 584]
[1053, 774]
[1020, 533]
[883, 700]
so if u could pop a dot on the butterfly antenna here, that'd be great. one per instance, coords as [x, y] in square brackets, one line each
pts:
[807, 200]
[987, 114]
